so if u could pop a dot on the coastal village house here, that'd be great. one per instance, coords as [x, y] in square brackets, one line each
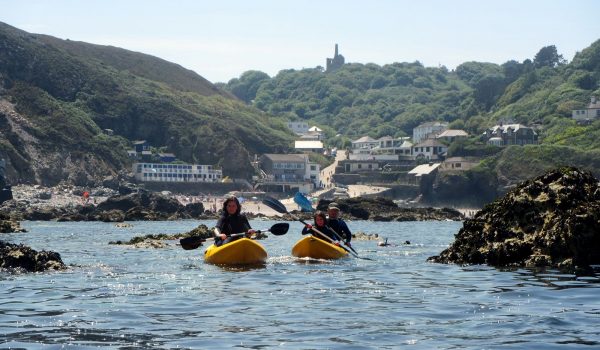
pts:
[510, 134]
[450, 135]
[299, 128]
[428, 130]
[385, 149]
[364, 145]
[429, 149]
[588, 115]
[389, 145]
[424, 173]
[160, 168]
[160, 172]
[356, 166]
[308, 146]
[140, 146]
[458, 164]
[289, 171]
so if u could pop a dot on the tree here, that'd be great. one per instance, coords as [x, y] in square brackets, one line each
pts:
[247, 85]
[548, 57]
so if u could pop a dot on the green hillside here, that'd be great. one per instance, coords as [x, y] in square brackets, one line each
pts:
[57, 96]
[368, 99]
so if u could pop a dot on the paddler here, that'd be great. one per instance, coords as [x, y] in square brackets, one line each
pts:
[337, 224]
[320, 225]
[231, 222]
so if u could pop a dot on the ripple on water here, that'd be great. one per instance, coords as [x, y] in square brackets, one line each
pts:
[120, 297]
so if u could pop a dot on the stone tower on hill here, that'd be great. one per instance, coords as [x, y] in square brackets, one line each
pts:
[336, 62]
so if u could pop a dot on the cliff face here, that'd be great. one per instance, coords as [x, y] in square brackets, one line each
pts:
[32, 159]
[552, 220]
[57, 97]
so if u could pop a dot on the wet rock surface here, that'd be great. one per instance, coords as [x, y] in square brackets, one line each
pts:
[551, 221]
[161, 240]
[383, 209]
[7, 225]
[17, 257]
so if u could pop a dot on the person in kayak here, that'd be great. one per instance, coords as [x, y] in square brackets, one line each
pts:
[336, 223]
[231, 222]
[321, 225]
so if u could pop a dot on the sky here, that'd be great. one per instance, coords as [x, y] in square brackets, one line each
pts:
[221, 39]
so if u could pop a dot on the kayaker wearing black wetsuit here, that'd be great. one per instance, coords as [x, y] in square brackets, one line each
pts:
[337, 224]
[231, 222]
[320, 224]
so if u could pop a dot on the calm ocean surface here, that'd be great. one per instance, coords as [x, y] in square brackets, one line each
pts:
[118, 297]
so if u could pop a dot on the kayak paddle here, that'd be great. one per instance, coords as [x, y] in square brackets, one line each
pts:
[194, 242]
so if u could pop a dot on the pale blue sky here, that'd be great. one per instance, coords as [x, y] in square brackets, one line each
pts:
[222, 39]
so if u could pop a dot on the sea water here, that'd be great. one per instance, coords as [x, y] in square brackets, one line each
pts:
[121, 297]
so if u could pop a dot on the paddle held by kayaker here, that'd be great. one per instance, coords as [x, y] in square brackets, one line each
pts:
[231, 222]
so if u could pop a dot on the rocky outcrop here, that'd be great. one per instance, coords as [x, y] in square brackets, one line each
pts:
[552, 220]
[141, 205]
[7, 225]
[383, 209]
[22, 258]
[159, 240]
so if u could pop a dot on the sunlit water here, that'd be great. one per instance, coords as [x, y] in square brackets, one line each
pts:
[120, 297]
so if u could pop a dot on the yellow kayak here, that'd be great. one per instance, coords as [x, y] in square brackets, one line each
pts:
[243, 251]
[313, 247]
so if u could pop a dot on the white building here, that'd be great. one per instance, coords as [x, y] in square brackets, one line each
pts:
[427, 130]
[176, 172]
[591, 113]
[384, 148]
[451, 134]
[298, 128]
[429, 149]
[364, 145]
[291, 170]
[308, 146]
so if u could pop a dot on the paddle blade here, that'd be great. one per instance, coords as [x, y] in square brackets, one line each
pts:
[303, 202]
[274, 204]
[280, 229]
[190, 243]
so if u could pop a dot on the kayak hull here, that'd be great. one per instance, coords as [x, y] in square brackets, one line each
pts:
[242, 251]
[316, 248]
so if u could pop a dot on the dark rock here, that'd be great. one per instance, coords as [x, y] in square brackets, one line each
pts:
[384, 209]
[43, 213]
[552, 220]
[5, 194]
[194, 210]
[20, 257]
[8, 226]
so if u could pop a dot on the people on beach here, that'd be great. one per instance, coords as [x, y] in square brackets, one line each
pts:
[231, 222]
[320, 224]
[337, 224]
[85, 198]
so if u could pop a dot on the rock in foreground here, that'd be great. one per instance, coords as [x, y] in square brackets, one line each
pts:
[552, 220]
[20, 257]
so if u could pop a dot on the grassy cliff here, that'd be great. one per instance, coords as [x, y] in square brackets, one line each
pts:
[56, 97]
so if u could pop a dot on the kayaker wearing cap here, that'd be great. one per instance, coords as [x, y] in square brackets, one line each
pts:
[230, 222]
[321, 225]
[337, 224]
